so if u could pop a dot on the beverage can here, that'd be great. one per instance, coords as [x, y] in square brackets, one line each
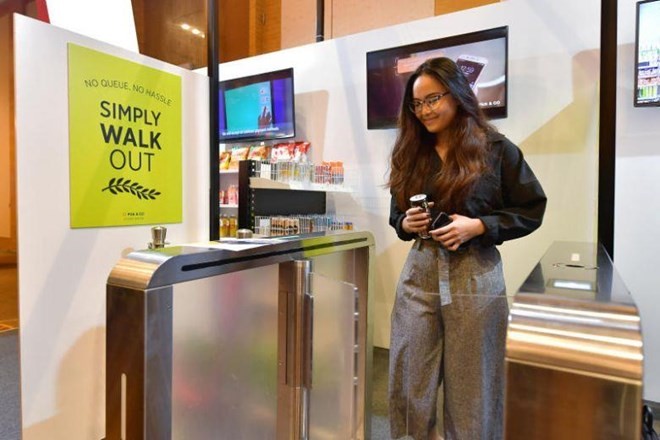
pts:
[421, 201]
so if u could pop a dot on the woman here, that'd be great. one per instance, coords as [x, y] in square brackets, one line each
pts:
[449, 317]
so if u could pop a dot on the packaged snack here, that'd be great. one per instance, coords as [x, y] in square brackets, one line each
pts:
[225, 158]
[322, 173]
[282, 152]
[300, 152]
[259, 152]
[238, 154]
[337, 173]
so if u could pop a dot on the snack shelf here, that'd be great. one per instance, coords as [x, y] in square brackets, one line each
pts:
[259, 195]
[263, 183]
[228, 205]
[278, 225]
[228, 171]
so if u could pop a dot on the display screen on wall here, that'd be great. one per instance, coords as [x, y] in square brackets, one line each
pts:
[257, 107]
[647, 54]
[481, 55]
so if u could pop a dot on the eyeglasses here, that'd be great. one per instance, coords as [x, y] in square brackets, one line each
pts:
[431, 102]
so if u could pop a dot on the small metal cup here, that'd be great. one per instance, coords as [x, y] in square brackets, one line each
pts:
[158, 234]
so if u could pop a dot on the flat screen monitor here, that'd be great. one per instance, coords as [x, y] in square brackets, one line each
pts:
[481, 55]
[647, 54]
[257, 107]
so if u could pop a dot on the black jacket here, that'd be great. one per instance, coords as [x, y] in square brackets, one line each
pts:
[509, 201]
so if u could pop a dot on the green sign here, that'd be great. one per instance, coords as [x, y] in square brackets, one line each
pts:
[124, 142]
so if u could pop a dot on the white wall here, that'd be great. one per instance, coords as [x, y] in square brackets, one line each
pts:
[637, 199]
[105, 20]
[553, 116]
[62, 271]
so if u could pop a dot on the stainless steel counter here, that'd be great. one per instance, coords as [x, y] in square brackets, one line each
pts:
[241, 339]
[574, 356]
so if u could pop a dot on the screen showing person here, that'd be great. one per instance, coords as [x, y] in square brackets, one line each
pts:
[246, 105]
[265, 118]
[257, 107]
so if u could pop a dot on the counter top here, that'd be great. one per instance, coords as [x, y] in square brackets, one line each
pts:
[152, 268]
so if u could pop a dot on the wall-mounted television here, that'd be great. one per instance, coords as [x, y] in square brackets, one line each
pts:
[647, 54]
[257, 107]
[481, 55]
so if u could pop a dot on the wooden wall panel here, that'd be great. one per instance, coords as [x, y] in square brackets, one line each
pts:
[346, 17]
[245, 28]
[7, 209]
[234, 29]
[447, 6]
[298, 22]
[158, 26]
[265, 26]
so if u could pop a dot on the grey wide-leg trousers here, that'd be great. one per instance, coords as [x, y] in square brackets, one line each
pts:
[448, 325]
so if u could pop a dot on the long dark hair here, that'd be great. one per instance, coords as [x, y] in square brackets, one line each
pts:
[410, 164]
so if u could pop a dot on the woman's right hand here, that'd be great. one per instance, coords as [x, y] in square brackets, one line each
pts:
[416, 220]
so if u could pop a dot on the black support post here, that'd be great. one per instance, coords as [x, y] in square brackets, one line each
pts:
[320, 20]
[607, 129]
[213, 70]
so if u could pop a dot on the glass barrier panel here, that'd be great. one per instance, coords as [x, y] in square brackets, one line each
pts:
[225, 356]
[333, 389]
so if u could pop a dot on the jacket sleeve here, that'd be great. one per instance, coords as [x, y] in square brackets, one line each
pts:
[396, 218]
[523, 199]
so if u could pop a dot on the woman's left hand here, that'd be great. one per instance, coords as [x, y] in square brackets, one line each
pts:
[460, 230]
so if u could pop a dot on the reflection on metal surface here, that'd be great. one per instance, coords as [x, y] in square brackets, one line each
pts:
[578, 334]
[332, 413]
[132, 273]
[302, 321]
[561, 335]
[570, 284]
[224, 372]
